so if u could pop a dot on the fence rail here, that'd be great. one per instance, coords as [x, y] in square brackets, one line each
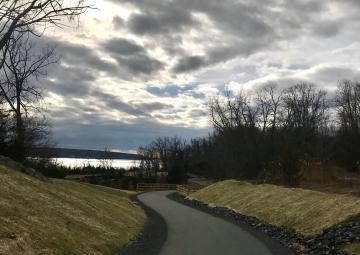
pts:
[155, 186]
[183, 189]
[187, 189]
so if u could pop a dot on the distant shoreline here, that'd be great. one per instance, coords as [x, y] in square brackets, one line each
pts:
[84, 154]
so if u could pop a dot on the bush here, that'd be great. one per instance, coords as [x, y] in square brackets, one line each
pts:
[47, 167]
[286, 170]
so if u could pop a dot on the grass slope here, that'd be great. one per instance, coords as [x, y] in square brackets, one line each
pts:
[63, 217]
[353, 249]
[306, 211]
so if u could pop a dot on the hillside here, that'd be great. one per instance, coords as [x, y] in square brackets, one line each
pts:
[63, 217]
[308, 212]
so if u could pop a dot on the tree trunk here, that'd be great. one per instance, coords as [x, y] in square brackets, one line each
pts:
[20, 136]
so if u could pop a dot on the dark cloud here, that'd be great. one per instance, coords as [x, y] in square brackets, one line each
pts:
[123, 47]
[79, 55]
[327, 29]
[132, 57]
[197, 113]
[153, 106]
[118, 22]
[68, 81]
[191, 63]
[242, 24]
[114, 103]
[140, 64]
[171, 19]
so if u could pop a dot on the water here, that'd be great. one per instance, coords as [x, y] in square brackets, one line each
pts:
[79, 162]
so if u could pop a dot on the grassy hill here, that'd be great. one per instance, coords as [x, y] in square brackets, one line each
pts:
[63, 217]
[306, 211]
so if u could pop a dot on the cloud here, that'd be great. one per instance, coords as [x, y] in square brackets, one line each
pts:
[140, 64]
[114, 103]
[123, 47]
[170, 19]
[153, 106]
[132, 57]
[80, 55]
[327, 28]
[189, 64]
[118, 22]
[76, 83]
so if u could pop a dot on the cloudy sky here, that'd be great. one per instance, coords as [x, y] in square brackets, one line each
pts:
[133, 70]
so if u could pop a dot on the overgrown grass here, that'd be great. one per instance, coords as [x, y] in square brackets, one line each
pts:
[306, 211]
[352, 249]
[63, 217]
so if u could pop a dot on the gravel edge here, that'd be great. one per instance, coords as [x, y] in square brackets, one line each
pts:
[154, 235]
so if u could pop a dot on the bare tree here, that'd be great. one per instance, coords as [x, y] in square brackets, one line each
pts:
[348, 111]
[106, 160]
[232, 112]
[306, 107]
[268, 101]
[348, 106]
[165, 154]
[34, 16]
[22, 69]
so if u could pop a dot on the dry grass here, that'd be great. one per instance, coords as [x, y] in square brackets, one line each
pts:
[353, 249]
[63, 217]
[306, 211]
[330, 179]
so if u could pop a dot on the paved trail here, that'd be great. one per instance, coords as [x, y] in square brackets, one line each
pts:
[192, 232]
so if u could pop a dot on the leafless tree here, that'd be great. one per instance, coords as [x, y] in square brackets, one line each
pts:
[232, 112]
[348, 106]
[34, 16]
[106, 161]
[22, 69]
[268, 99]
[306, 107]
[165, 154]
[348, 111]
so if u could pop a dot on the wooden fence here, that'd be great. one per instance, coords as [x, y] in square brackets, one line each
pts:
[187, 189]
[183, 189]
[155, 186]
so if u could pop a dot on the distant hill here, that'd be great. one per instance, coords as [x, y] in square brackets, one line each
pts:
[79, 153]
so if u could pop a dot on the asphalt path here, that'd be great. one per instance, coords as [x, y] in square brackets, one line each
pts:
[192, 232]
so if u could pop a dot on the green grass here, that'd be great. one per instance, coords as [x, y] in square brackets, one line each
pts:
[63, 217]
[307, 212]
[353, 249]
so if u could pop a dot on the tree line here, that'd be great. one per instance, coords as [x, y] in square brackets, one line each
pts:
[23, 127]
[268, 134]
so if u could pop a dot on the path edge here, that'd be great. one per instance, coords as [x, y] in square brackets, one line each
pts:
[153, 236]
